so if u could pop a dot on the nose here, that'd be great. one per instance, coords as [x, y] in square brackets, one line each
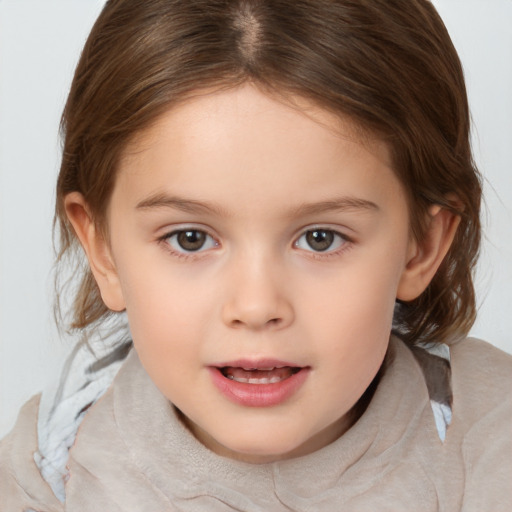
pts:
[257, 296]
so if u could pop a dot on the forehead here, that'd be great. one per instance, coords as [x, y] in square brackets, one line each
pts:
[204, 114]
[245, 141]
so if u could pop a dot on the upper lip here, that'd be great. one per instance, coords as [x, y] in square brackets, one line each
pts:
[257, 364]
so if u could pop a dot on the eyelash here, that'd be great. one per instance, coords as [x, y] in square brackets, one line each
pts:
[183, 253]
[343, 243]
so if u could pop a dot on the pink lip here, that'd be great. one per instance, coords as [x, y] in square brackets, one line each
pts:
[256, 363]
[258, 395]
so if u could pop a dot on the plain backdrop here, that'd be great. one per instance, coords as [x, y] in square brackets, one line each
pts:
[40, 41]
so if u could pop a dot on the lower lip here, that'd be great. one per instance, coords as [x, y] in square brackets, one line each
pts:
[258, 395]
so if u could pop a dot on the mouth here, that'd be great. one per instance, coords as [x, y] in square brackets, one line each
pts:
[259, 384]
[259, 376]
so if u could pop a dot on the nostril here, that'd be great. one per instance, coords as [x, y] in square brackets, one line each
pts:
[267, 312]
[272, 322]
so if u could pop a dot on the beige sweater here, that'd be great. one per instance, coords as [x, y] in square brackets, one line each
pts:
[132, 453]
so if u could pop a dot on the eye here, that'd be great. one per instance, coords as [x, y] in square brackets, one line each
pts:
[190, 240]
[320, 240]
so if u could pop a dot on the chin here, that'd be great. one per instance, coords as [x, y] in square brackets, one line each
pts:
[252, 449]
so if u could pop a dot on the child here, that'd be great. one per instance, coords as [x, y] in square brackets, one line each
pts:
[268, 189]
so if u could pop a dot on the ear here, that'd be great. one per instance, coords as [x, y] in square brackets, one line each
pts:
[97, 250]
[426, 256]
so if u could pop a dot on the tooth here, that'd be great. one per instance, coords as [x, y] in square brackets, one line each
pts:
[268, 369]
[256, 380]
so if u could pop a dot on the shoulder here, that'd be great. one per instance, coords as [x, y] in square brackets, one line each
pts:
[482, 413]
[468, 349]
[21, 485]
[481, 378]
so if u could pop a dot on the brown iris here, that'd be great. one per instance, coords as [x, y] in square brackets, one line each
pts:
[319, 239]
[191, 240]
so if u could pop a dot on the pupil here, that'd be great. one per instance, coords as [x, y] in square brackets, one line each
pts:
[191, 240]
[320, 240]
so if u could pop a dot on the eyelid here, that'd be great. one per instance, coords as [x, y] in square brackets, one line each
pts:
[179, 251]
[342, 244]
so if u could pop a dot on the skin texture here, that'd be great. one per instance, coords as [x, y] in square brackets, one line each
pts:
[255, 175]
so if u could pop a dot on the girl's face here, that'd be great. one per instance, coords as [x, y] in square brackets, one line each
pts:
[258, 250]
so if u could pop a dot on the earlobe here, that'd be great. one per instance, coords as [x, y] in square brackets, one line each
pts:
[96, 249]
[427, 255]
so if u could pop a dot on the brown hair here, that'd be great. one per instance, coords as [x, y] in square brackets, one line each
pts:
[387, 64]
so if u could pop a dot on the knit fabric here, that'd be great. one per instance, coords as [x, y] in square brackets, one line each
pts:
[132, 452]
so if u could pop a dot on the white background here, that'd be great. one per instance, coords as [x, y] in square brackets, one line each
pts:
[39, 45]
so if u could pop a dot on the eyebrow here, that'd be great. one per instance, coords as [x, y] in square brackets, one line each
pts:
[346, 203]
[158, 201]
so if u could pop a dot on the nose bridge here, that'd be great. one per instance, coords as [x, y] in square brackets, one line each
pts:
[257, 296]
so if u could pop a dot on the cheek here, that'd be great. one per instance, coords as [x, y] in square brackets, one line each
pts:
[359, 329]
[358, 298]
[151, 303]
[164, 334]
[169, 311]
[155, 290]
[354, 315]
